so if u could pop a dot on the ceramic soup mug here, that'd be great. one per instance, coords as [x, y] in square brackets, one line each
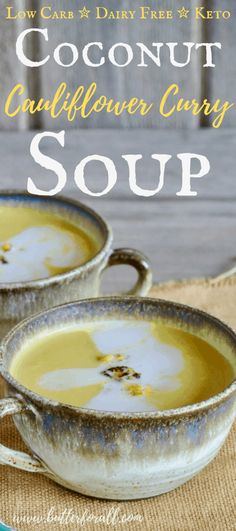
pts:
[22, 248]
[119, 454]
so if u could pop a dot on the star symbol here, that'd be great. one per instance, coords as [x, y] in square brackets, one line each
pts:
[84, 13]
[183, 13]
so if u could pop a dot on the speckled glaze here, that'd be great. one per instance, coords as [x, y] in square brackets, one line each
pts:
[118, 455]
[23, 299]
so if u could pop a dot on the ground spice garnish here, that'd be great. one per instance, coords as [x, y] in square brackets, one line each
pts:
[6, 247]
[135, 389]
[121, 373]
[106, 358]
[119, 357]
[3, 260]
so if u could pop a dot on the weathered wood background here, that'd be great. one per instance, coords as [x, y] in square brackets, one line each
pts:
[121, 83]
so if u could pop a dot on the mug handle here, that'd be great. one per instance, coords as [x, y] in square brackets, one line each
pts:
[11, 406]
[138, 260]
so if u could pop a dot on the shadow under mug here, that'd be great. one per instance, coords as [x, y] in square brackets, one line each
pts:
[21, 299]
[117, 455]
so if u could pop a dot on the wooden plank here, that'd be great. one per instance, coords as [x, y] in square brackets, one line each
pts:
[221, 79]
[12, 71]
[178, 244]
[123, 83]
[218, 146]
[182, 237]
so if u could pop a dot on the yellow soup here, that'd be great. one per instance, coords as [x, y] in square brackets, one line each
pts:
[35, 244]
[122, 365]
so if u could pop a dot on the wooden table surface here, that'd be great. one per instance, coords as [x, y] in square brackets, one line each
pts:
[183, 237]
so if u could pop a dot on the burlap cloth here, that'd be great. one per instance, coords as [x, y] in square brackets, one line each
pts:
[207, 502]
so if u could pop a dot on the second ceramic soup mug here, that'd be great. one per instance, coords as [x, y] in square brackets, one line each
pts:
[22, 299]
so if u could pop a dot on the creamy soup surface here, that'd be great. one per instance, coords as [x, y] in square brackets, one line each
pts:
[122, 365]
[35, 244]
